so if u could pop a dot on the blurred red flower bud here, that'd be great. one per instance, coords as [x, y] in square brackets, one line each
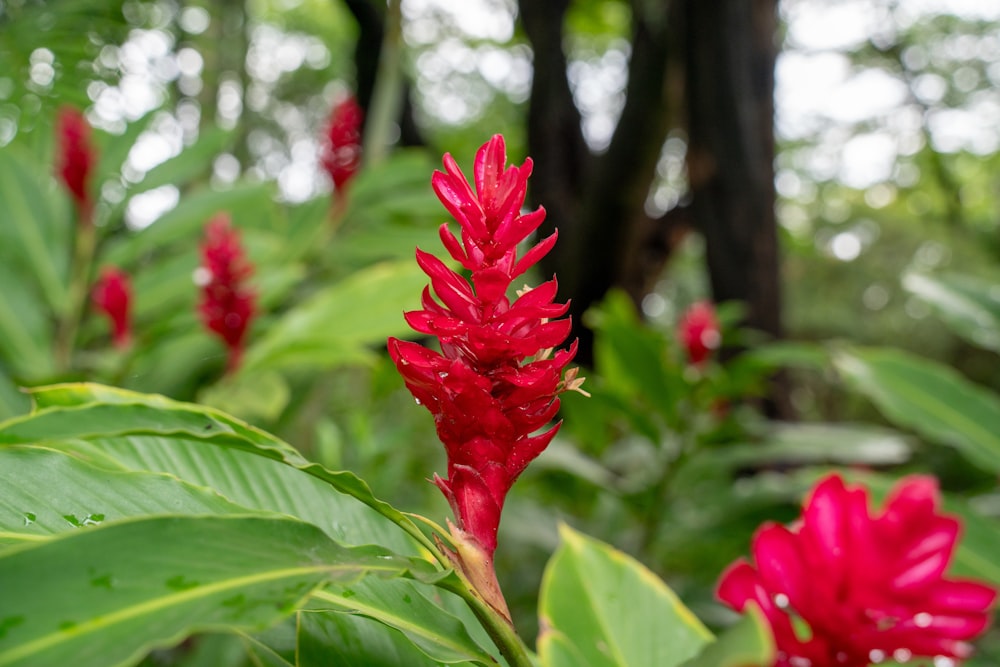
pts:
[699, 332]
[340, 153]
[227, 305]
[75, 159]
[112, 295]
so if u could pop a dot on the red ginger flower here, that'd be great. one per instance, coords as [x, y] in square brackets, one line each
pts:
[495, 381]
[870, 588]
[76, 159]
[112, 295]
[227, 305]
[699, 332]
[340, 153]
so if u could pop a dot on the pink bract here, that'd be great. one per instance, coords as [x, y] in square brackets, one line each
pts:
[340, 153]
[112, 295]
[75, 159]
[699, 332]
[227, 305]
[870, 587]
[494, 384]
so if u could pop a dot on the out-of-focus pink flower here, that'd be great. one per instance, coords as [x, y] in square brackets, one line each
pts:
[227, 305]
[340, 152]
[699, 332]
[75, 159]
[867, 587]
[112, 295]
[495, 382]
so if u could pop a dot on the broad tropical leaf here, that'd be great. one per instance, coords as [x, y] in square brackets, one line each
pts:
[338, 324]
[334, 638]
[749, 643]
[931, 399]
[37, 245]
[601, 608]
[403, 606]
[71, 411]
[968, 305]
[103, 596]
[45, 492]
[262, 483]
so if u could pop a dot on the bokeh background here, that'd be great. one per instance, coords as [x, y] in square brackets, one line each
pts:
[829, 172]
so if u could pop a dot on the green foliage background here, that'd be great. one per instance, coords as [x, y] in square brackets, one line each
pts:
[670, 465]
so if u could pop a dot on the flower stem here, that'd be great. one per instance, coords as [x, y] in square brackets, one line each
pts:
[499, 629]
[69, 323]
[387, 98]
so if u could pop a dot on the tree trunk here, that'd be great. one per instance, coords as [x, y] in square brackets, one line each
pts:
[370, 17]
[730, 56]
[596, 201]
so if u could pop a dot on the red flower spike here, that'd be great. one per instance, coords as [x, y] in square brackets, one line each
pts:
[227, 306]
[112, 295]
[340, 153]
[75, 159]
[495, 382]
[869, 587]
[699, 332]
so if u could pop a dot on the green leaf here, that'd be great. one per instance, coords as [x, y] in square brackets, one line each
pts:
[257, 396]
[969, 306]
[248, 480]
[246, 202]
[811, 443]
[748, 643]
[46, 492]
[68, 412]
[29, 225]
[12, 401]
[333, 638]
[931, 399]
[262, 650]
[599, 607]
[103, 596]
[338, 324]
[202, 650]
[402, 605]
[781, 354]
[976, 556]
[262, 484]
[244, 475]
[406, 170]
[108, 419]
[26, 329]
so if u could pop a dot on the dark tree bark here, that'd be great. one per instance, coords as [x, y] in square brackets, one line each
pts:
[730, 56]
[554, 136]
[730, 87]
[370, 17]
[597, 201]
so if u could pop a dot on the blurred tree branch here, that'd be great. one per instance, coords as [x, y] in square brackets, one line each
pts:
[370, 17]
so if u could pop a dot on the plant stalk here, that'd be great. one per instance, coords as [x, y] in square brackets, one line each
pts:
[500, 631]
[387, 97]
[80, 270]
